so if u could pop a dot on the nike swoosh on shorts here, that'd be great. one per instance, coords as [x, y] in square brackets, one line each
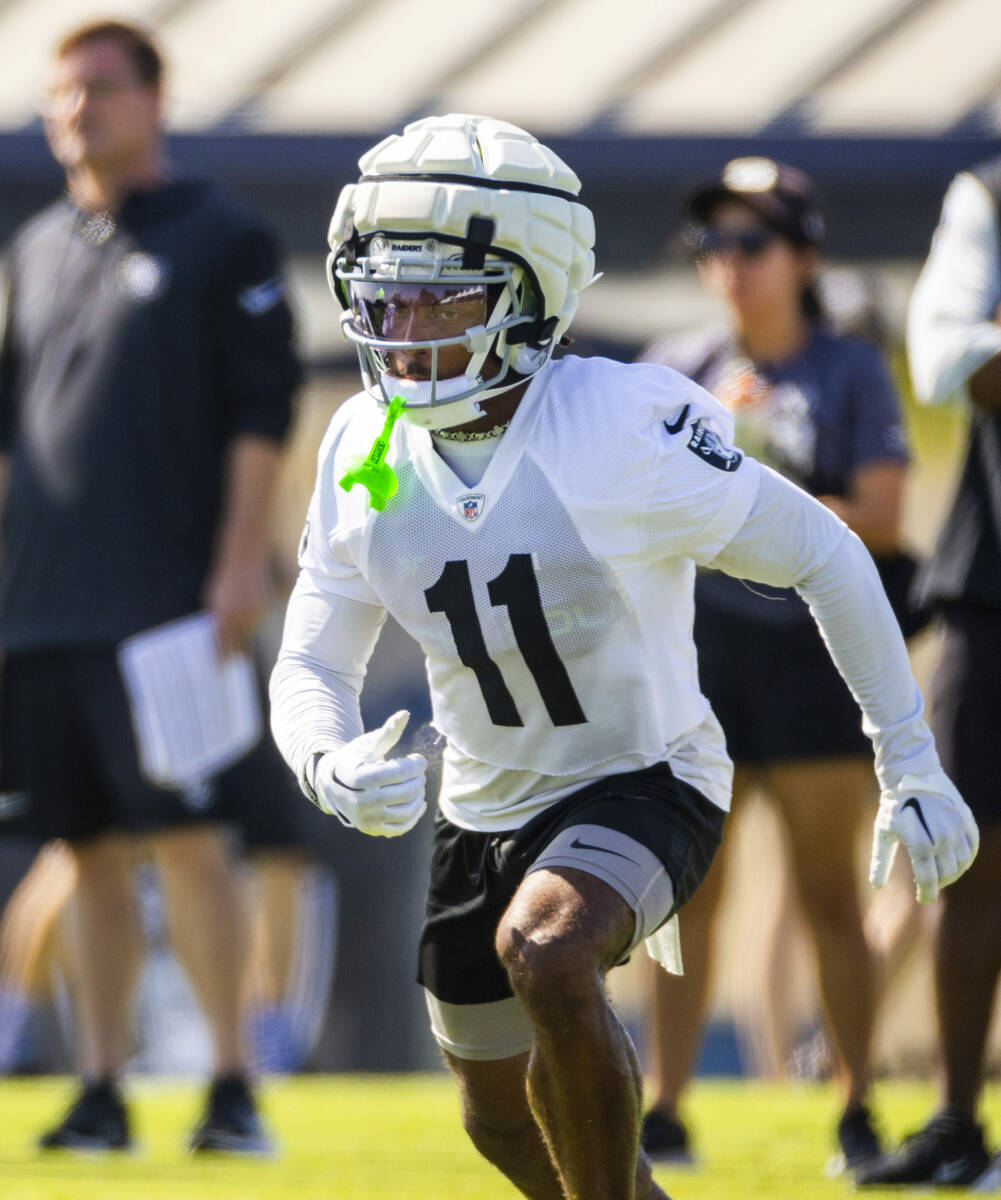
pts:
[577, 844]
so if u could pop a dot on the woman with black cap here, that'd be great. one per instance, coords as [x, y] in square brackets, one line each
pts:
[820, 408]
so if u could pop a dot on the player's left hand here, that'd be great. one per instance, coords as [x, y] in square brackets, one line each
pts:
[928, 817]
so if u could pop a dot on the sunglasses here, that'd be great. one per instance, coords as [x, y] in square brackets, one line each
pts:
[749, 243]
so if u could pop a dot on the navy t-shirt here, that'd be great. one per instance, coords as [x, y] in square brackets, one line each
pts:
[134, 352]
[815, 418]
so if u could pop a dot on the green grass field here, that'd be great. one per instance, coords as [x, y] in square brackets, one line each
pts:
[398, 1138]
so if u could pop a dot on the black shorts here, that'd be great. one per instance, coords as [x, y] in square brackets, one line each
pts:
[69, 766]
[475, 875]
[966, 707]
[775, 690]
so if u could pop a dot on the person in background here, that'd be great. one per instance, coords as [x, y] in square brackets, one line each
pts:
[33, 961]
[146, 380]
[821, 409]
[954, 348]
[292, 900]
[292, 903]
[294, 906]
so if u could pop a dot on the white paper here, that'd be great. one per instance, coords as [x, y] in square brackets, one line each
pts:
[193, 713]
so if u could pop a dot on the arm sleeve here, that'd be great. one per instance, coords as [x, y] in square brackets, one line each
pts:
[790, 539]
[258, 370]
[951, 329]
[333, 621]
[317, 680]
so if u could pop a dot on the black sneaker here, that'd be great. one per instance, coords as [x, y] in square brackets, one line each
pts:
[665, 1139]
[231, 1124]
[96, 1122]
[857, 1139]
[949, 1151]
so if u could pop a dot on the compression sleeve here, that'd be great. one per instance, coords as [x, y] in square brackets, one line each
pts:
[791, 540]
[316, 682]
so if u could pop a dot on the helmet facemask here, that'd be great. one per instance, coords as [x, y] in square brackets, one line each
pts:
[462, 200]
[372, 277]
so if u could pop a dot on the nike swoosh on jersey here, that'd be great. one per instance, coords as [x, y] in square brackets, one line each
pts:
[912, 803]
[577, 844]
[679, 424]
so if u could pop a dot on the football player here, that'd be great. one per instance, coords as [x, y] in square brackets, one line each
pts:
[535, 525]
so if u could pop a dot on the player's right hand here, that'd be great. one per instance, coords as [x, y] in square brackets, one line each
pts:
[927, 816]
[380, 796]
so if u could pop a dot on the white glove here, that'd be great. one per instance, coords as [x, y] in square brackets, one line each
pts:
[928, 817]
[360, 786]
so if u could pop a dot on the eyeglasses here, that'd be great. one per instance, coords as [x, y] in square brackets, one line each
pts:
[70, 94]
[749, 242]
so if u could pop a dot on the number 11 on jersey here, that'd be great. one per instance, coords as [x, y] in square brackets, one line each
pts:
[516, 589]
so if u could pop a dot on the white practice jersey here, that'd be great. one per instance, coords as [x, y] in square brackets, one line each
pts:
[554, 600]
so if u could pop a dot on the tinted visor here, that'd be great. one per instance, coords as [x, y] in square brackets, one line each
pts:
[393, 311]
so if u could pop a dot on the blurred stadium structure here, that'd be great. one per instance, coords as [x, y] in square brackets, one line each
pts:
[881, 100]
[635, 68]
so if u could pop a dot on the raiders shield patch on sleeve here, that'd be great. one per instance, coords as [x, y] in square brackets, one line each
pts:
[708, 446]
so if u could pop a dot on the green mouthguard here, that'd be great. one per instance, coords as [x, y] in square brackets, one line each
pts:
[373, 472]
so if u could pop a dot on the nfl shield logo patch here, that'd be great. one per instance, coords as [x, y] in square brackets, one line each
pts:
[471, 506]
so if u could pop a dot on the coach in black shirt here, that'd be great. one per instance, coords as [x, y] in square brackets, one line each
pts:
[145, 386]
[954, 346]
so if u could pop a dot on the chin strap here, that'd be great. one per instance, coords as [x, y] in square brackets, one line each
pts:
[373, 472]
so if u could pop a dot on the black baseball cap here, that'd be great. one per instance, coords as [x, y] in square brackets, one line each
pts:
[784, 196]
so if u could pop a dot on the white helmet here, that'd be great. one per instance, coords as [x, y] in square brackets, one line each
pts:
[471, 202]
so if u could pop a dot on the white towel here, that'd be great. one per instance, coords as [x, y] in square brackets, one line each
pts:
[664, 946]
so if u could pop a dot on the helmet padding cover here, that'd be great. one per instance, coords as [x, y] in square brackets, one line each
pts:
[442, 172]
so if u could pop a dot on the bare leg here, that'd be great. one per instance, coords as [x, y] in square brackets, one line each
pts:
[500, 1124]
[278, 879]
[967, 964]
[106, 949]
[894, 922]
[31, 918]
[678, 1002]
[769, 1009]
[562, 932]
[497, 1116]
[821, 803]
[209, 925]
